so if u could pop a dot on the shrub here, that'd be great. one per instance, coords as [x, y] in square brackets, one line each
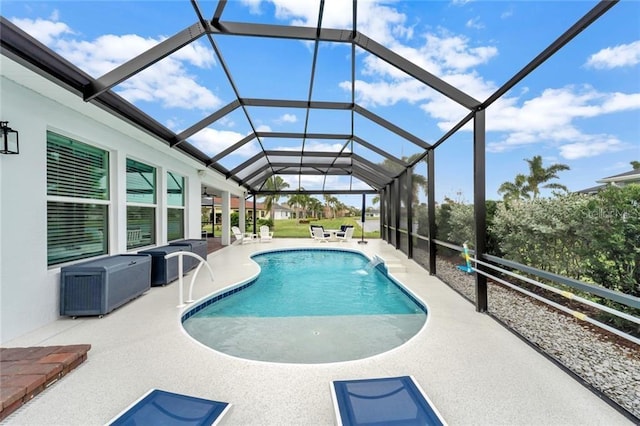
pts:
[267, 222]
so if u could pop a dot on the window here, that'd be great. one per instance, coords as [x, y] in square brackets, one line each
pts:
[77, 200]
[175, 206]
[141, 204]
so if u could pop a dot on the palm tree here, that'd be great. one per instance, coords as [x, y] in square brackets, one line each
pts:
[273, 183]
[331, 202]
[299, 202]
[417, 181]
[516, 189]
[314, 206]
[340, 207]
[539, 175]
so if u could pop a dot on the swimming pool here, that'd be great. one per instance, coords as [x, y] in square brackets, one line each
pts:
[308, 306]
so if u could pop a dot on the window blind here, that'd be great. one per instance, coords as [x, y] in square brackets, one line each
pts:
[75, 169]
[175, 190]
[75, 231]
[175, 224]
[141, 226]
[77, 228]
[141, 182]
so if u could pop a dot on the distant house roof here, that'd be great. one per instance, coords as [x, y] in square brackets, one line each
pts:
[592, 190]
[235, 203]
[626, 177]
[280, 207]
[631, 175]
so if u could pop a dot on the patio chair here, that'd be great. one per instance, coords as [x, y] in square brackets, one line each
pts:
[158, 407]
[388, 401]
[134, 236]
[311, 228]
[319, 235]
[343, 230]
[346, 237]
[265, 234]
[242, 237]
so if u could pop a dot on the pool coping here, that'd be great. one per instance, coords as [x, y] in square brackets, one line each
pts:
[232, 289]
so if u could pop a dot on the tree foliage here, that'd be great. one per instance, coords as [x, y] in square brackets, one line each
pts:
[591, 238]
[612, 240]
[299, 202]
[528, 186]
[545, 233]
[273, 183]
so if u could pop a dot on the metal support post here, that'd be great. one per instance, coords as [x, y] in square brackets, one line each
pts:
[479, 205]
[409, 201]
[431, 209]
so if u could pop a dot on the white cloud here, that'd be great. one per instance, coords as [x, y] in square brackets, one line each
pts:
[168, 81]
[591, 148]
[44, 30]
[377, 21]
[550, 117]
[313, 146]
[318, 146]
[226, 121]
[440, 54]
[507, 13]
[616, 102]
[212, 141]
[287, 118]
[475, 23]
[316, 182]
[623, 55]
[254, 6]
[385, 93]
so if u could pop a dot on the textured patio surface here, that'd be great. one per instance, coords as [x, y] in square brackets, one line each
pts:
[474, 371]
[25, 372]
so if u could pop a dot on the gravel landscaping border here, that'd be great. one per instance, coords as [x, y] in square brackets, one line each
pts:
[589, 353]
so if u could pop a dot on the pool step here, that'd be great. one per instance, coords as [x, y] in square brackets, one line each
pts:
[394, 265]
[395, 268]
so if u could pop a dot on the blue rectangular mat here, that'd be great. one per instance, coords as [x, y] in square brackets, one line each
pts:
[383, 401]
[159, 407]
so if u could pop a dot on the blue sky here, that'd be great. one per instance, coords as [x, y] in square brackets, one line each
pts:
[581, 108]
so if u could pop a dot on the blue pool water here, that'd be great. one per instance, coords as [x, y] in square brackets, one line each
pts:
[315, 283]
[309, 306]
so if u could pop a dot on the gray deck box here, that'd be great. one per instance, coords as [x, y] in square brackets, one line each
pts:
[163, 271]
[198, 247]
[97, 287]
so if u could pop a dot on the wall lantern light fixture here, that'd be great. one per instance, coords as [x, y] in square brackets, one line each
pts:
[9, 144]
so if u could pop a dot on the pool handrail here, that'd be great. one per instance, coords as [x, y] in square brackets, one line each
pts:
[180, 254]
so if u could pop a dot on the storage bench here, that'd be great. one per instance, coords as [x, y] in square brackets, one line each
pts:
[163, 271]
[99, 286]
[198, 247]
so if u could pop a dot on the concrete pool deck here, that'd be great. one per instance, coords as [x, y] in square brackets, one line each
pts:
[474, 370]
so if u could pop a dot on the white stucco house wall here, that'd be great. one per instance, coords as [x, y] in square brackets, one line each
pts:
[281, 212]
[34, 106]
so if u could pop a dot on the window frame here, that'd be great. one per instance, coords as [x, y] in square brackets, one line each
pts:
[139, 237]
[174, 207]
[97, 236]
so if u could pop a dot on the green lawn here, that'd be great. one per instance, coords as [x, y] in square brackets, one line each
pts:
[291, 228]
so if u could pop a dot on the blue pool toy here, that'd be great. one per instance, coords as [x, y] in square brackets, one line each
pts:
[467, 267]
